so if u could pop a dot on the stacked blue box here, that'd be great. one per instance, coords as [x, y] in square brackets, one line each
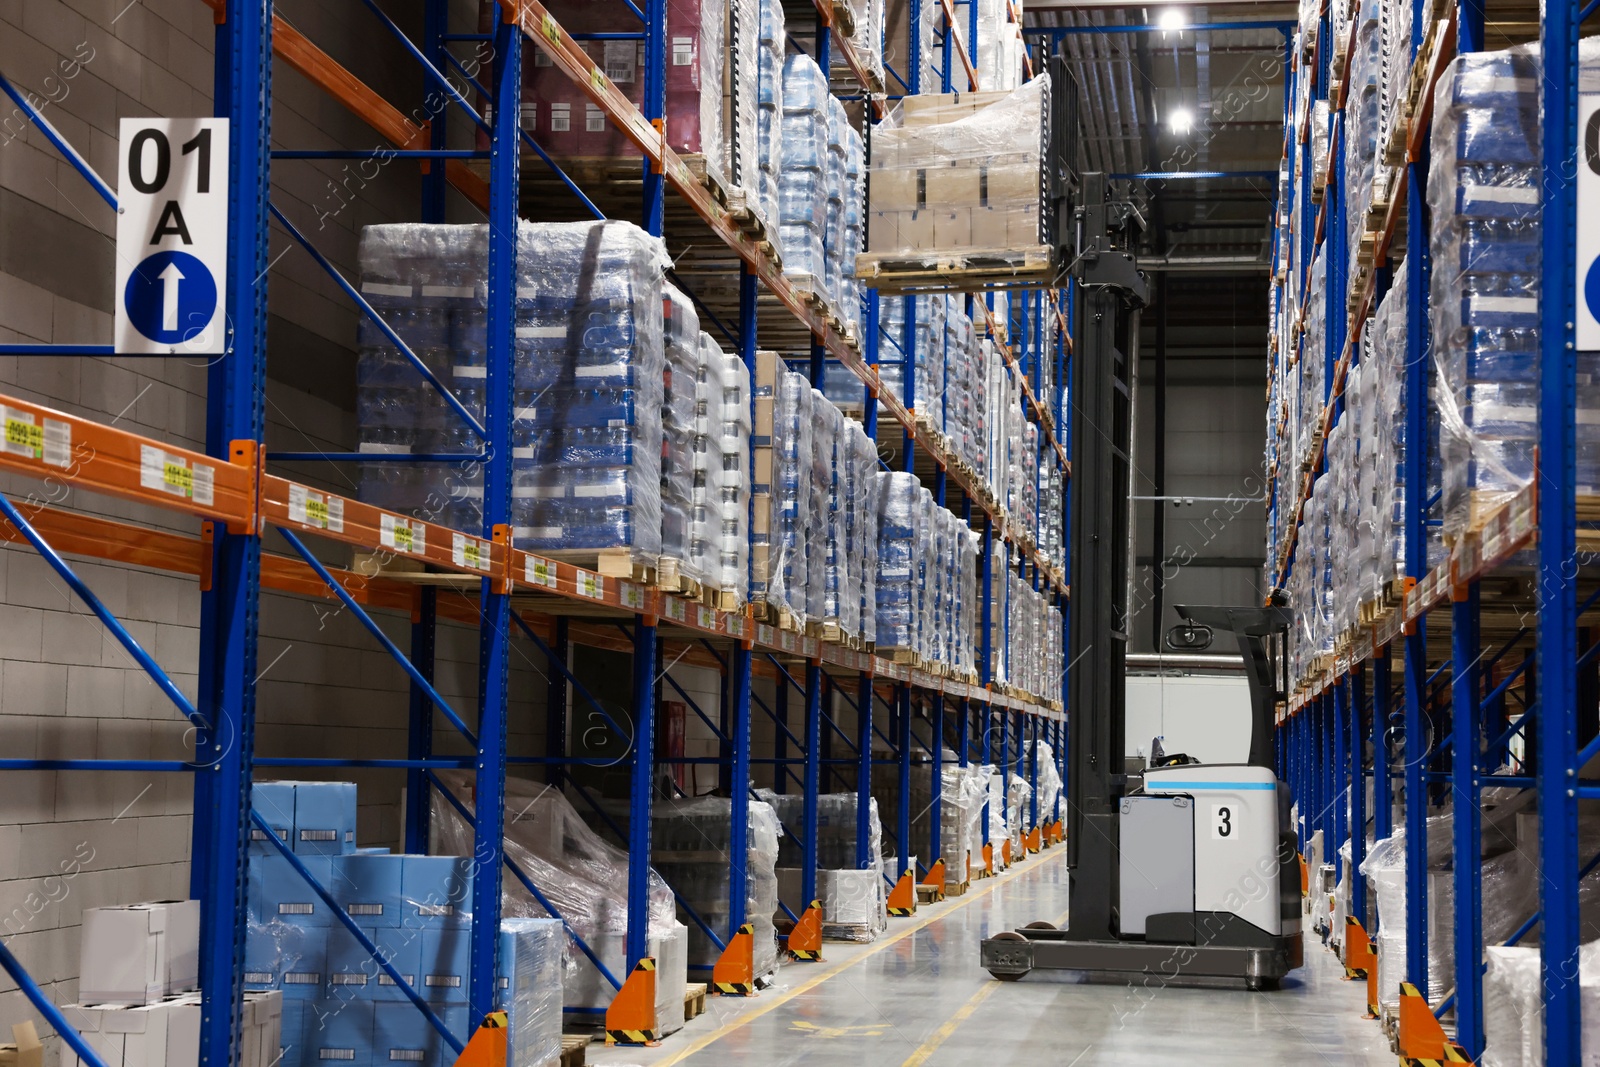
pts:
[338, 1001]
[803, 180]
[1484, 191]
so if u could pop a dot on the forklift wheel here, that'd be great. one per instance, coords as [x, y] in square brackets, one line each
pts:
[1040, 926]
[1007, 935]
[1258, 985]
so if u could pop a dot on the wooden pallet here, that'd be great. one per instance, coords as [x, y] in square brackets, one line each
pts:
[721, 599]
[574, 1049]
[844, 18]
[956, 889]
[671, 579]
[611, 562]
[694, 1000]
[957, 270]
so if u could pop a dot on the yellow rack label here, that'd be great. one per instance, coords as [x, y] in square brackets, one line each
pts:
[22, 437]
[704, 617]
[676, 610]
[551, 30]
[590, 585]
[631, 596]
[470, 552]
[538, 571]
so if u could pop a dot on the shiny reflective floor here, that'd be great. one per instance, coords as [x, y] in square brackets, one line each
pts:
[918, 997]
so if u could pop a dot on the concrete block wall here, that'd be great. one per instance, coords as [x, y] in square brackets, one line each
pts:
[71, 840]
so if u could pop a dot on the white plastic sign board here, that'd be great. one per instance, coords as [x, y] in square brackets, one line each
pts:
[172, 236]
[1588, 295]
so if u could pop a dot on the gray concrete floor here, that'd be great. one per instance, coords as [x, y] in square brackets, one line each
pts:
[918, 997]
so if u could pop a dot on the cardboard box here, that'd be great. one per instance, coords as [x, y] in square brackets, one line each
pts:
[897, 188]
[277, 892]
[990, 228]
[446, 954]
[901, 230]
[340, 1032]
[401, 1034]
[286, 957]
[933, 109]
[274, 802]
[952, 229]
[370, 887]
[352, 970]
[137, 1036]
[436, 890]
[324, 818]
[1022, 228]
[958, 185]
[139, 953]
[1011, 184]
[25, 1049]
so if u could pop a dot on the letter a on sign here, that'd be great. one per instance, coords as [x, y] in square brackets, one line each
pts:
[172, 237]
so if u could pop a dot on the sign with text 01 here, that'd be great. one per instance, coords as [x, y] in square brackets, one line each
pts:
[172, 236]
[1588, 281]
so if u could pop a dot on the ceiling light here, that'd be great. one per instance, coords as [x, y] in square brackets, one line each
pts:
[1173, 21]
[1181, 120]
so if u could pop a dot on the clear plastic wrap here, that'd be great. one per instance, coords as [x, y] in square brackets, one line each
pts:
[581, 875]
[586, 386]
[958, 172]
[854, 901]
[742, 104]
[803, 180]
[771, 48]
[791, 494]
[899, 528]
[689, 841]
[999, 48]
[532, 968]
[557, 114]
[1484, 196]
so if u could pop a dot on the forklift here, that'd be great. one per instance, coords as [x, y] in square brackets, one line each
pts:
[1180, 869]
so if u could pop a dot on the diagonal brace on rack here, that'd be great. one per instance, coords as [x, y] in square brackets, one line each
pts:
[383, 639]
[370, 312]
[571, 678]
[527, 883]
[124, 638]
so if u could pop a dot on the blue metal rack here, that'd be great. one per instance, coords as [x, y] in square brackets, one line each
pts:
[230, 558]
[1448, 721]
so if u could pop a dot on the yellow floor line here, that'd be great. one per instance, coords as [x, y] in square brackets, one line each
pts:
[941, 1035]
[811, 983]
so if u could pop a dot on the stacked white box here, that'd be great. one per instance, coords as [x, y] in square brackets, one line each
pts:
[679, 413]
[772, 44]
[139, 953]
[728, 472]
[166, 1033]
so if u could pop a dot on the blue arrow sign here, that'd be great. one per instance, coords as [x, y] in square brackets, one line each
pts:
[170, 297]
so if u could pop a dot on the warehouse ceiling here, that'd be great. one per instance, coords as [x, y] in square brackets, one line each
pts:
[1184, 101]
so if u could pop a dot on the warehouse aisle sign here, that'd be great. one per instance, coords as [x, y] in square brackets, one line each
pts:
[1588, 301]
[172, 237]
